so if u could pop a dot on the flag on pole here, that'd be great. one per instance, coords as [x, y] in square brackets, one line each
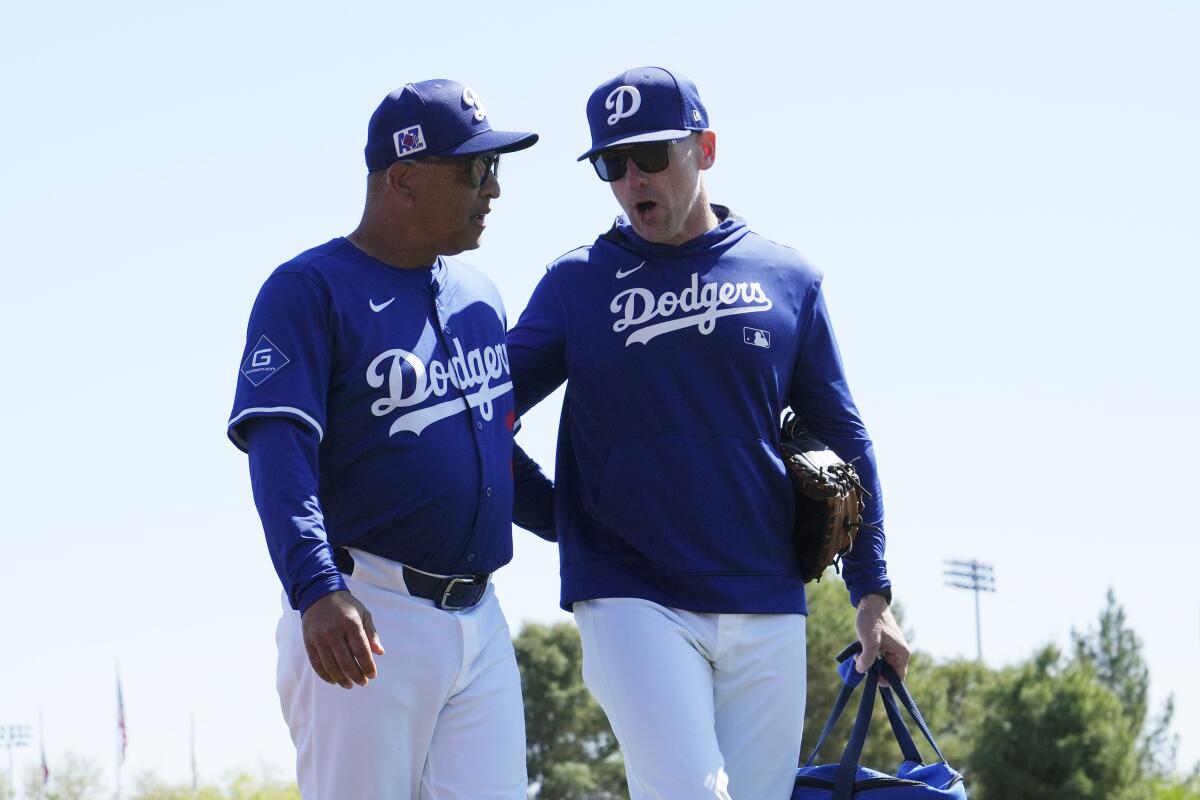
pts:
[121, 719]
[122, 733]
[192, 725]
[42, 742]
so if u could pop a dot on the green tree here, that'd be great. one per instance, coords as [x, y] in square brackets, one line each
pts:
[264, 786]
[1175, 788]
[950, 695]
[73, 777]
[148, 786]
[572, 753]
[1114, 651]
[237, 785]
[1051, 730]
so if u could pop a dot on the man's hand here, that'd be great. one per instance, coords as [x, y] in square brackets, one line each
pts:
[880, 635]
[340, 638]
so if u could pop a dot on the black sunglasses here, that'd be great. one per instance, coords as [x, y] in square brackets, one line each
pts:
[480, 166]
[650, 157]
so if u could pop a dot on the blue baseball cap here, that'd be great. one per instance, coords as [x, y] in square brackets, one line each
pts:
[643, 104]
[437, 117]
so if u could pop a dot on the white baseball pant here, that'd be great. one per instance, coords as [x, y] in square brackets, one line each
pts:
[442, 721]
[703, 705]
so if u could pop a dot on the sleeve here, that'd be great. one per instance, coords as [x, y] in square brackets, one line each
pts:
[537, 346]
[533, 496]
[820, 396]
[283, 476]
[286, 364]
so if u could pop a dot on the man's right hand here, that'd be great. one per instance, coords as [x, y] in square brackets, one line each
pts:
[340, 638]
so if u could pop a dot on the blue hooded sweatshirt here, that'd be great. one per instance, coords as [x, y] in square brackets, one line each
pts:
[679, 361]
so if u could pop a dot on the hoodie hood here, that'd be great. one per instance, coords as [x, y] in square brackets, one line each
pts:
[730, 230]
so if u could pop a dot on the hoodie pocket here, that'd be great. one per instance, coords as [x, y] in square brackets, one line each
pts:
[700, 504]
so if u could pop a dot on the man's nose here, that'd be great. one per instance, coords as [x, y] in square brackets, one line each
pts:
[634, 173]
[490, 186]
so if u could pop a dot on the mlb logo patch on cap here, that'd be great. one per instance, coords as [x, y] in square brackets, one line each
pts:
[409, 140]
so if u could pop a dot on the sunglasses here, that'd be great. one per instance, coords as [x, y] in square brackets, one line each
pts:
[480, 166]
[611, 165]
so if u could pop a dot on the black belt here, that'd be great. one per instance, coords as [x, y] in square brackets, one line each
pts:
[453, 592]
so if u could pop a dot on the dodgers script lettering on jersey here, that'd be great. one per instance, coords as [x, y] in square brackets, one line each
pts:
[698, 305]
[403, 375]
[479, 367]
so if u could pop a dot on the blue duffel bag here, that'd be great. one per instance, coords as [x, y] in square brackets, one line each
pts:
[914, 780]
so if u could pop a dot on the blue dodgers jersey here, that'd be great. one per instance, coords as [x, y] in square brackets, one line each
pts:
[679, 362]
[404, 376]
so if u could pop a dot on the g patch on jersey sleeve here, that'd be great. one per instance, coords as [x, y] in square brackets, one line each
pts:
[264, 360]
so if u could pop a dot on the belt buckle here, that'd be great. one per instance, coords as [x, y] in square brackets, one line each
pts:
[447, 587]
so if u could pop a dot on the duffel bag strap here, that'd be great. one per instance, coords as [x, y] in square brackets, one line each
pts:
[850, 680]
[843, 787]
[839, 706]
[903, 738]
[910, 705]
[848, 766]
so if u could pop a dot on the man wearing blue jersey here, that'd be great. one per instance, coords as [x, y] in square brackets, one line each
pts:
[682, 336]
[376, 406]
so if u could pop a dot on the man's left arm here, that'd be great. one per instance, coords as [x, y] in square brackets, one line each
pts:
[533, 496]
[820, 395]
[537, 356]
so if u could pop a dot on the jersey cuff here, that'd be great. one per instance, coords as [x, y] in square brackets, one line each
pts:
[314, 591]
[859, 592]
[239, 441]
[864, 579]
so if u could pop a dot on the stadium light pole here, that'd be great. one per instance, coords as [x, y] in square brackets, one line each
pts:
[977, 577]
[12, 737]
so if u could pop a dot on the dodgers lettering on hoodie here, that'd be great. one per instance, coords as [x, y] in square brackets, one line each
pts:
[679, 361]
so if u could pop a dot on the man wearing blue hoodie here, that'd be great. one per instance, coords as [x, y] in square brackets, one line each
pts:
[682, 336]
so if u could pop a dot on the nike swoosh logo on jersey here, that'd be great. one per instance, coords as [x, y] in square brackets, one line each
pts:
[621, 273]
[381, 306]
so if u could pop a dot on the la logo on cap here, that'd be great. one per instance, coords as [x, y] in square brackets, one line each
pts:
[471, 100]
[622, 107]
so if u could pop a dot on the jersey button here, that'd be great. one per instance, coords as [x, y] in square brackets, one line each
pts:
[446, 330]
[488, 491]
[478, 425]
[470, 558]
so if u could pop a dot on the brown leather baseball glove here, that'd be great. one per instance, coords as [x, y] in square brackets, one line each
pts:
[829, 499]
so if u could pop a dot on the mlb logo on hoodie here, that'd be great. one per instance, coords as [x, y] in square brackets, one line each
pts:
[756, 337]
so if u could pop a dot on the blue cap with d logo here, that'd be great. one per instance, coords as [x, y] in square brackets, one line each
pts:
[643, 104]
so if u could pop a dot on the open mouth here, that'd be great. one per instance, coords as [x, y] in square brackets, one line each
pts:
[646, 206]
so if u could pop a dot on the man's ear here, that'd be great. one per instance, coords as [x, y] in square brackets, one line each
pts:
[400, 179]
[706, 144]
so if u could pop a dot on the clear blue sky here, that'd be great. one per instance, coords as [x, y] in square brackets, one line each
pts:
[1003, 198]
